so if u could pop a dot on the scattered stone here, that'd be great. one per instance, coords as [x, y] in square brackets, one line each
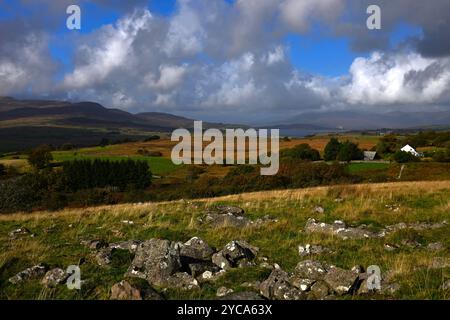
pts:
[210, 276]
[390, 247]
[246, 295]
[54, 277]
[440, 263]
[308, 250]
[20, 233]
[436, 246]
[318, 210]
[181, 280]
[129, 222]
[412, 244]
[338, 228]
[29, 274]
[196, 249]
[319, 290]
[103, 257]
[125, 291]
[155, 260]
[277, 287]
[236, 250]
[390, 289]
[341, 281]
[94, 244]
[310, 269]
[223, 291]
[446, 285]
[130, 245]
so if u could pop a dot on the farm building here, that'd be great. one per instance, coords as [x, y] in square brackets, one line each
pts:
[369, 155]
[411, 150]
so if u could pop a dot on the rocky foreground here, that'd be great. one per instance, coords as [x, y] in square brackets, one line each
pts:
[190, 265]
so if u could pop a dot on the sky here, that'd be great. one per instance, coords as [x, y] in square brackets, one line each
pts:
[229, 60]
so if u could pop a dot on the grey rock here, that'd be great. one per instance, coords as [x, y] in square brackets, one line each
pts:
[182, 281]
[196, 249]
[221, 261]
[228, 210]
[339, 229]
[103, 257]
[155, 260]
[277, 287]
[301, 283]
[436, 246]
[246, 295]
[237, 250]
[130, 245]
[94, 244]
[198, 268]
[311, 249]
[310, 269]
[390, 289]
[341, 281]
[224, 291]
[440, 263]
[319, 290]
[125, 291]
[54, 277]
[29, 274]
[318, 210]
[19, 233]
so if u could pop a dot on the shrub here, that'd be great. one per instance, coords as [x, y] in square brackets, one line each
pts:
[349, 151]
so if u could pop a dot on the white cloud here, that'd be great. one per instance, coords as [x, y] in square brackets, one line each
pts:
[170, 77]
[384, 79]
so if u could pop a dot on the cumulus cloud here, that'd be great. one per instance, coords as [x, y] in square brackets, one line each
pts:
[397, 78]
[212, 57]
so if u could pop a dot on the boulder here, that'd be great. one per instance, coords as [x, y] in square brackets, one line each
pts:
[319, 290]
[155, 260]
[31, 273]
[182, 281]
[94, 244]
[237, 250]
[301, 283]
[198, 268]
[310, 269]
[103, 257]
[277, 287]
[228, 210]
[436, 246]
[318, 210]
[219, 260]
[54, 277]
[196, 249]
[341, 281]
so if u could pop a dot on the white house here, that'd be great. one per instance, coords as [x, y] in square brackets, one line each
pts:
[411, 150]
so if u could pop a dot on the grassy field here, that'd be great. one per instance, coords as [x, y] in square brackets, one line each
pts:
[58, 236]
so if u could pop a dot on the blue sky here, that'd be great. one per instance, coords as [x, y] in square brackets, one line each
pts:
[228, 59]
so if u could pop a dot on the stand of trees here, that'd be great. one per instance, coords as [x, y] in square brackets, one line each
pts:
[88, 174]
[345, 151]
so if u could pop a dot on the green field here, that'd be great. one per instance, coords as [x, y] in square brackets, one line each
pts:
[158, 165]
[364, 166]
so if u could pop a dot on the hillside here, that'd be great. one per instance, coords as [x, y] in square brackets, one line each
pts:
[401, 227]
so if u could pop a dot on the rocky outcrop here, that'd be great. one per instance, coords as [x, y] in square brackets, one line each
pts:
[54, 277]
[338, 229]
[31, 273]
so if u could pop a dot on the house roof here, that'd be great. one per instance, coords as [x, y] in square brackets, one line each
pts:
[369, 155]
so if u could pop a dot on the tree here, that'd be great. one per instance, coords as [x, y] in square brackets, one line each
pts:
[332, 150]
[403, 157]
[349, 151]
[40, 157]
[302, 152]
[387, 144]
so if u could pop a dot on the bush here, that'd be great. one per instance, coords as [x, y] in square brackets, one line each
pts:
[442, 156]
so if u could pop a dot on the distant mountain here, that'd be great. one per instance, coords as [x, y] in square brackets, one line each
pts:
[351, 120]
[83, 114]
